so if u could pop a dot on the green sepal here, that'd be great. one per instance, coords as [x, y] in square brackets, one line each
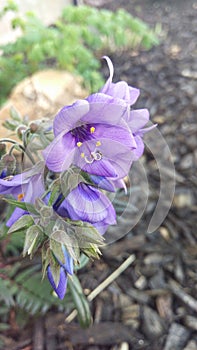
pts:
[34, 236]
[56, 248]
[70, 180]
[92, 251]
[88, 234]
[83, 260]
[55, 269]
[46, 253]
[80, 301]
[48, 258]
[23, 222]
[55, 192]
[69, 241]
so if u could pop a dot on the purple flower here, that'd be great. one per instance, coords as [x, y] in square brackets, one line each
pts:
[60, 289]
[135, 119]
[121, 89]
[93, 135]
[65, 268]
[24, 187]
[88, 204]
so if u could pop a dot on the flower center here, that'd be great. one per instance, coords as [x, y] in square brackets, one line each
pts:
[84, 133]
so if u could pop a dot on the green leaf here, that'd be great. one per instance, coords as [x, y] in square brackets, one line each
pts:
[83, 260]
[15, 115]
[23, 205]
[6, 293]
[4, 326]
[81, 303]
[23, 222]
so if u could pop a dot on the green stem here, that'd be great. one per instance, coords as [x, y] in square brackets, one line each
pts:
[20, 146]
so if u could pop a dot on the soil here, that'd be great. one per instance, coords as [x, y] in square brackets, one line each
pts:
[152, 304]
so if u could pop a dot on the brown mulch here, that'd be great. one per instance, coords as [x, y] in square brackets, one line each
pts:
[152, 305]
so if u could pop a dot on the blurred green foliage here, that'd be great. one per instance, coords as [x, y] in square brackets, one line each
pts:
[75, 42]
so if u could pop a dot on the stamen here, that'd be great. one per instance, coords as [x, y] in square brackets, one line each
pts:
[89, 161]
[20, 197]
[79, 144]
[98, 143]
[92, 129]
[96, 155]
[82, 155]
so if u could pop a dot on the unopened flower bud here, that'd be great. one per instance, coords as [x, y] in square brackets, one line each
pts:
[9, 162]
[20, 130]
[33, 127]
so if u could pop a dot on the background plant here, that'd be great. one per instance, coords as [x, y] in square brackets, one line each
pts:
[75, 42]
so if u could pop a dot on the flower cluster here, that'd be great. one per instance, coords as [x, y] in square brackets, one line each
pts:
[95, 142]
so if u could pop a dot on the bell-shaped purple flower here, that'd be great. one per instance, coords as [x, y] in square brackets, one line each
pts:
[68, 261]
[88, 204]
[65, 268]
[135, 119]
[93, 135]
[60, 289]
[25, 187]
[120, 89]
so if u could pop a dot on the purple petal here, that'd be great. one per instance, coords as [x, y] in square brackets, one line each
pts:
[138, 118]
[109, 152]
[68, 116]
[102, 167]
[17, 213]
[62, 284]
[103, 183]
[141, 132]
[104, 109]
[140, 147]
[120, 184]
[17, 184]
[118, 133]
[89, 204]
[101, 227]
[59, 154]
[68, 265]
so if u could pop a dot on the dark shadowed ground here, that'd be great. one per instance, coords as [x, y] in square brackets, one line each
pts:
[152, 305]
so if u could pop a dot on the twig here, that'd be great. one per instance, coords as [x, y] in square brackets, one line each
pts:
[104, 284]
[177, 290]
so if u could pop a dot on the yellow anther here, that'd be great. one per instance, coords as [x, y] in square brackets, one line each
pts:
[92, 129]
[79, 144]
[20, 197]
[98, 143]
[82, 155]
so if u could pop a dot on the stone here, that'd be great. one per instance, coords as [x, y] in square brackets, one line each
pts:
[42, 95]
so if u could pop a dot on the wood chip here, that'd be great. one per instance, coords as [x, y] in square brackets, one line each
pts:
[177, 337]
[181, 294]
[164, 306]
[191, 322]
[192, 345]
[153, 325]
